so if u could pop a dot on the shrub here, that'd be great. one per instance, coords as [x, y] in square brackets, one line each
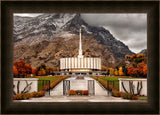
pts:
[129, 96]
[115, 93]
[72, 92]
[79, 92]
[18, 96]
[23, 96]
[85, 92]
[135, 97]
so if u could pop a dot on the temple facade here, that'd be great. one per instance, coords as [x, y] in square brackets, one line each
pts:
[80, 63]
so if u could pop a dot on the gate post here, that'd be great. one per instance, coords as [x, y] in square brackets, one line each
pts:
[91, 87]
[66, 87]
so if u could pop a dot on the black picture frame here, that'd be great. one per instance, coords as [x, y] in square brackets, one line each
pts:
[10, 7]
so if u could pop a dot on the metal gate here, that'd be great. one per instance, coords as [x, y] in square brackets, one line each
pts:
[66, 87]
[113, 83]
[91, 88]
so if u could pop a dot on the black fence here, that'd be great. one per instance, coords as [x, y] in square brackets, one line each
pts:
[44, 83]
[114, 83]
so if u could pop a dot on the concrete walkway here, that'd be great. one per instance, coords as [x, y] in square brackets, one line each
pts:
[78, 84]
[74, 99]
[78, 99]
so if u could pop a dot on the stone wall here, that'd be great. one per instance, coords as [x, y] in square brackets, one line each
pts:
[25, 85]
[133, 86]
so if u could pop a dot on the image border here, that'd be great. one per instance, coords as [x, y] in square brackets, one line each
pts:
[10, 7]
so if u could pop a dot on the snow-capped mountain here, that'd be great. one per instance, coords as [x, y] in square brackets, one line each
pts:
[50, 28]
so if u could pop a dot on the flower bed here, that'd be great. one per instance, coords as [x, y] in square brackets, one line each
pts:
[23, 96]
[78, 92]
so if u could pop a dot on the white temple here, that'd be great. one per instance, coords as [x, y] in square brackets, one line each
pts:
[80, 46]
[80, 63]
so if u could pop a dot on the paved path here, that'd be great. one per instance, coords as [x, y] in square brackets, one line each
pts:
[78, 99]
[80, 84]
[75, 99]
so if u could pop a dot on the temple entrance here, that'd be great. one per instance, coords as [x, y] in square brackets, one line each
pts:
[79, 84]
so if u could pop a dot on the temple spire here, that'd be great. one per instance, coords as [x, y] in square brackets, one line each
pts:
[80, 45]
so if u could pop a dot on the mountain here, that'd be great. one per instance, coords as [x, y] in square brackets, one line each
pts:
[144, 51]
[48, 37]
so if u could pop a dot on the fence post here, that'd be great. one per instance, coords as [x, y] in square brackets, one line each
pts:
[108, 86]
[49, 87]
[113, 83]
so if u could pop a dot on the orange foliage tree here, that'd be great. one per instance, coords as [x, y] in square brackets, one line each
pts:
[145, 69]
[42, 72]
[140, 67]
[15, 71]
[22, 68]
[132, 70]
[55, 68]
[34, 71]
[116, 72]
[121, 71]
[133, 56]
[103, 68]
[111, 71]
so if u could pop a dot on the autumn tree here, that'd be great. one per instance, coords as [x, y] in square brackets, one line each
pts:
[111, 71]
[22, 68]
[121, 71]
[15, 71]
[41, 70]
[145, 69]
[140, 68]
[132, 71]
[55, 68]
[103, 68]
[116, 72]
[128, 57]
[34, 71]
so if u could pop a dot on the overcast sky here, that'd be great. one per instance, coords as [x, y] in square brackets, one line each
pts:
[131, 28]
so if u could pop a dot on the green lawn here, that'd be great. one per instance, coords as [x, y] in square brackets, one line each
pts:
[142, 97]
[41, 83]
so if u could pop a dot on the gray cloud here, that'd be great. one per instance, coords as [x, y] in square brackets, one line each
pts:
[27, 14]
[128, 28]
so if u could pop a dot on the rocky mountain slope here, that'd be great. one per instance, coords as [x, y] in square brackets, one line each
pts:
[144, 51]
[48, 37]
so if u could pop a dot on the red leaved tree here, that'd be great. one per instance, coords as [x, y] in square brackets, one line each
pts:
[132, 71]
[34, 71]
[140, 67]
[22, 68]
[145, 69]
[15, 71]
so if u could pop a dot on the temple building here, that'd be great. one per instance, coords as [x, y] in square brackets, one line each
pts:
[80, 64]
